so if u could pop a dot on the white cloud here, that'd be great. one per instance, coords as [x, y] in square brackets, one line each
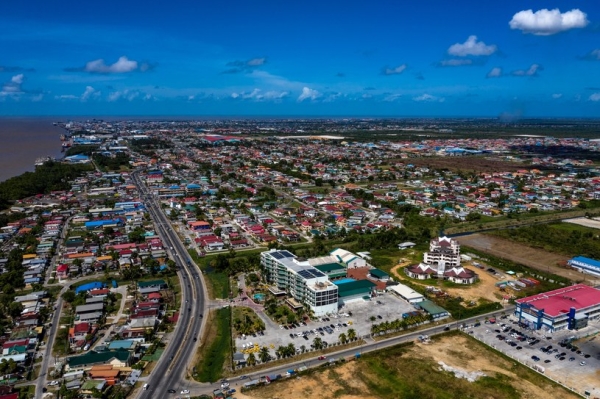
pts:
[394, 71]
[258, 95]
[126, 94]
[123, 65]
[89, 92]
[595, 97]
[256, 62]
[556, 96]
[548, 22]
[14, 85]
[66, 97]
[429, 98]
[392, 97]
[308, 93]
[494, 73]
[455, 62]
[471, 47]
[17, 79]
[532, 71]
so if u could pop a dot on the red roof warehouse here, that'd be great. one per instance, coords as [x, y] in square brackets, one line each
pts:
[565, 308]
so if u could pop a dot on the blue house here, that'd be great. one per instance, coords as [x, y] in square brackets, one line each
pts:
[96, 285]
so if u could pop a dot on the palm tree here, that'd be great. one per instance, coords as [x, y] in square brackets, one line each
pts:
[303, 348]
[281, 351]
[290, 349]
[317, 343]
[343, 338]
[351, 334]
[264, 354]
[251, 361]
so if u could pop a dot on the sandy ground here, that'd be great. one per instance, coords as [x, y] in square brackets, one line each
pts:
[484, 289]
[594, 223]
[455, 352]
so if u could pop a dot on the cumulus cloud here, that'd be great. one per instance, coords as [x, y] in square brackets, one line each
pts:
[593, 55]
[471, 47]
[595, 97]
[494, 73]
[89, 92]
[393, 71]
[14, 85]
[556, 96]
[546, 22]
[532, 71]
[122, 65]
[66, 97]
[128, 95]
[308, 94]
[454, 62]
[238, 66]
[428, 98]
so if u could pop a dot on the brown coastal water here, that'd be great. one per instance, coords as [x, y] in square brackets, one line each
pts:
[23, 140]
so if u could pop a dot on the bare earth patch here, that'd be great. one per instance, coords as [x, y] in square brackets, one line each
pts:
[519, 253]
[457, 352]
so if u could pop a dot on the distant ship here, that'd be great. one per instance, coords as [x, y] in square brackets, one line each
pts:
[42, 160]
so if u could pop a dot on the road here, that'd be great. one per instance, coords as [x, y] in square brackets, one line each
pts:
[172, 367]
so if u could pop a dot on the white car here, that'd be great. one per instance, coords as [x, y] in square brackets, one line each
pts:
[53, 383]
[224, 385]
[185, 391]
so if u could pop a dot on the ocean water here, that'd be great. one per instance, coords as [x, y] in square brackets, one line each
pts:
[23, 140]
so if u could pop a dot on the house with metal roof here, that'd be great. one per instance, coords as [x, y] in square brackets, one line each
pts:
[118, 358]
[350, 291]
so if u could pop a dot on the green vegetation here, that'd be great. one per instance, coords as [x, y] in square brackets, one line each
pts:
[81, 149]
[564, 238]
[459, 311]
[217, 281]
[47, 177]
[115, 162]
[216, 348]
[245, 321]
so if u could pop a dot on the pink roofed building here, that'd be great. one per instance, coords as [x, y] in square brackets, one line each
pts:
[565, 308]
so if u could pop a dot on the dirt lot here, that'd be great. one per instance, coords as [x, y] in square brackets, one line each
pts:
[469, 164]
[457, 352]
[594, 223]
[531, 257]
[486, 287]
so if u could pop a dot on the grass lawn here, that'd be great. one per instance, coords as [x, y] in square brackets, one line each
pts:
[215, 351]
[217, 282]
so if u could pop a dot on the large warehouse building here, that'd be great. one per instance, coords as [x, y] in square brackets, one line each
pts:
[565, 308]
[586, 265]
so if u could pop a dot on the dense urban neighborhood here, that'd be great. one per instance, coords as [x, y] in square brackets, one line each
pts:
[229, 255]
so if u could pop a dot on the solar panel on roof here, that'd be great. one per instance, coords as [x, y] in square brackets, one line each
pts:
[316, 273]
[286, 254]
[277, 255]
[306, 274]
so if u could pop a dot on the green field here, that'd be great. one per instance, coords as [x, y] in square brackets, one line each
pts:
[215, 352]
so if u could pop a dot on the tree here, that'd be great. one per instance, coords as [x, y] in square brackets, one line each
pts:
[351, 334]
[251, 361]
[264, 354]
[69, 296]
[317, 343]
[343, 338]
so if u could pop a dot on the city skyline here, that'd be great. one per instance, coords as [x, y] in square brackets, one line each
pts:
[514, 59]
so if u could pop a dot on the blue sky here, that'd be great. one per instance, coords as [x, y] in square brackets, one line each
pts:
[378, 58]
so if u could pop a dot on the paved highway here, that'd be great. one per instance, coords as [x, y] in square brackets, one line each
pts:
[172, 367]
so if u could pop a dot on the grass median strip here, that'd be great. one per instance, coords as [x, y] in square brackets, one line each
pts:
[215, 350]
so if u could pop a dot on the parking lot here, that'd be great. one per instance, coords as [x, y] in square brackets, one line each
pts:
[355, 315]
[574, 367]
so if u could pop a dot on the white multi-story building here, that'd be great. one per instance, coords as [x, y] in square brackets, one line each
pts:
[442, 262]
[301, 280]
[444, 251]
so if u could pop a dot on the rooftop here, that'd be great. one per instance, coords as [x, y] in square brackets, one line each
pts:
[557, 302]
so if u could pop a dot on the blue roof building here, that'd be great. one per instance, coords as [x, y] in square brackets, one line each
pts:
[96, 285]
[586, 265]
